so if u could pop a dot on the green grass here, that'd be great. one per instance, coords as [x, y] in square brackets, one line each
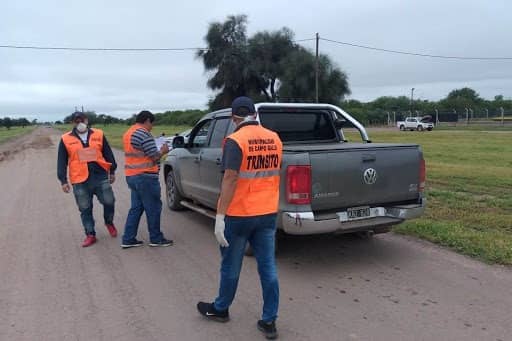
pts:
[114, 132]
[7, 134]
[469, 190]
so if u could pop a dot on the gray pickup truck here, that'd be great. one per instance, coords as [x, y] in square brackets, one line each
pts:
[327, 183]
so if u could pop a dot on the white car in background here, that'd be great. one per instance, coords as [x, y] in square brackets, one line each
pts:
[415, 123]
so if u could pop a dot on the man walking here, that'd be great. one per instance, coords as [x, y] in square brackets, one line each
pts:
[246, 212]
[142, 166]
[92, 166]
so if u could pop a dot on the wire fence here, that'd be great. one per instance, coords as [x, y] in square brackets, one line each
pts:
[467, 116]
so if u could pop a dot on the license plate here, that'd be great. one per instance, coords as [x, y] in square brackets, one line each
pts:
[355, 213]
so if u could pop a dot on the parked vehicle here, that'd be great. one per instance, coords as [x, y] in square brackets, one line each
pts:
[327, 183]
[415, 123]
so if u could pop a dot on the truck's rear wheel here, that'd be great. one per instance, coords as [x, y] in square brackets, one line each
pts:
[402, 127]
[173, 196]
[419, 128]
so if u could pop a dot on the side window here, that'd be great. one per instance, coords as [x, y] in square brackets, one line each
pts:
[219, 131]
[199, 136]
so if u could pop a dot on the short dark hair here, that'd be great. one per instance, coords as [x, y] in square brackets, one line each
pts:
[143, 116]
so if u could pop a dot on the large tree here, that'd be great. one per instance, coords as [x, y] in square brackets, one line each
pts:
[227, 60]
[268, 66]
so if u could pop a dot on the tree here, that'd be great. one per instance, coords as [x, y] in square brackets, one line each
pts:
[267, 66]
[7, 122]
[298, 81]
[268, 51]
[227, 59]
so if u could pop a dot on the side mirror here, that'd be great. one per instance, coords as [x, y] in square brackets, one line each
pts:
[178, 142]
[339, 123]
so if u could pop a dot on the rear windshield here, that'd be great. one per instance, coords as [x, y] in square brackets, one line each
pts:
[303, 126]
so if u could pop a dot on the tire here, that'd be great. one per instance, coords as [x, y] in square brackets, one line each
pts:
[402, 127]
[429, 129]
[419, 128]
[173, 195]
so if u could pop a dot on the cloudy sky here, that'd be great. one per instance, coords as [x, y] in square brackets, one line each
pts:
[48, 84]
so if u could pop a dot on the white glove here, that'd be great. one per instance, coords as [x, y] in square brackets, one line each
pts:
[219, 230]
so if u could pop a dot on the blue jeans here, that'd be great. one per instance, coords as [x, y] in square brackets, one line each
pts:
[260, 232]
[84, 193]
[145, 197]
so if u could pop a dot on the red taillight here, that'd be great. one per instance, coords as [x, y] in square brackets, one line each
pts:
[298, 185]
[422, 175]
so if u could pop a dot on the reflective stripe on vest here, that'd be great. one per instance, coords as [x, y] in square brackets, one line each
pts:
[78, 170]
[257, 187]
[136, 162]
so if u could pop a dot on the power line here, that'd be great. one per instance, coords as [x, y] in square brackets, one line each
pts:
[106, 49]
[101, 48]
[414, 53]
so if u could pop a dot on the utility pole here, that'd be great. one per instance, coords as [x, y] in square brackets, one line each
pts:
[316, 67]
[412, 96]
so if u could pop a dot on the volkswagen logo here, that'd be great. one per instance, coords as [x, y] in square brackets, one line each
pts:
[370, 176]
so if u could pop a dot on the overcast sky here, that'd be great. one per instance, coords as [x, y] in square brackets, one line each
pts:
[48, 84]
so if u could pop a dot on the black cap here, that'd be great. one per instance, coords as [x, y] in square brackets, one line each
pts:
[243, 106]
[78, 114]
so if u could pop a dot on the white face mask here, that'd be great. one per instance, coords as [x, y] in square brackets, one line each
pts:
[81, 127]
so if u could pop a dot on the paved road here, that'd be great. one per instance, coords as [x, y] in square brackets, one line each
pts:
[332, 288]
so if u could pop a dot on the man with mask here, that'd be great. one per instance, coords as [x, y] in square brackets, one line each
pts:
[246, 212]
[87, 154]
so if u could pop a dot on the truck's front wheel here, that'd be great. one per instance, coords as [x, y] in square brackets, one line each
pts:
[420, 128]
[402, 127]
[173, 196]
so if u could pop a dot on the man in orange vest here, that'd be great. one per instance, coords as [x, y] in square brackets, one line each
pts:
[87, 154]
[142, 166]
[246, 212]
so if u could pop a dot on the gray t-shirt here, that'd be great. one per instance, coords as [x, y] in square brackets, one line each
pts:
[232, 156]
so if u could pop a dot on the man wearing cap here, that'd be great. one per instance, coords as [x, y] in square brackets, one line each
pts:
[85, 152]
[141, 167]
[246, 212]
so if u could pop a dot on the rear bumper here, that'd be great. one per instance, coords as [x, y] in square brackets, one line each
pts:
[305, 223]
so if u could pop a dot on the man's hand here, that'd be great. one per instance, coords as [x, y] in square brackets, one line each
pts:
[111, 178]
[66, 188]
[219, 230]
[164, 149]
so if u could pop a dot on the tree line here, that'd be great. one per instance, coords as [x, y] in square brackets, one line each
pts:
[9, 122]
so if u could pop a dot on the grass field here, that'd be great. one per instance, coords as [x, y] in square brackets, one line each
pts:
[6, 134]
[469, 190]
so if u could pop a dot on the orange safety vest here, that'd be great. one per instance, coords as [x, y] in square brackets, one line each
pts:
[257, 187]
[79, 156]
[136, 162]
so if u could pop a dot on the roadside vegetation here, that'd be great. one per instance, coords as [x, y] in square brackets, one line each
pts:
[114, 132]
[469, 190]
[7, 134]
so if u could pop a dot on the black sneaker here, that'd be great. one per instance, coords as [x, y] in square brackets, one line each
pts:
[209, 311]
[163, 242]
[132, 243]
[268, 329]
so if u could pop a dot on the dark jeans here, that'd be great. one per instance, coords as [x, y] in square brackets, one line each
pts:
[145, 197]
[260, 232]
[84, 193]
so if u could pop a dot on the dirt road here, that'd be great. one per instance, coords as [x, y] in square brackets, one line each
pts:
[332, 288]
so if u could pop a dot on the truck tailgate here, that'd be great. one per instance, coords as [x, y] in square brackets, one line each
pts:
[354, 174]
